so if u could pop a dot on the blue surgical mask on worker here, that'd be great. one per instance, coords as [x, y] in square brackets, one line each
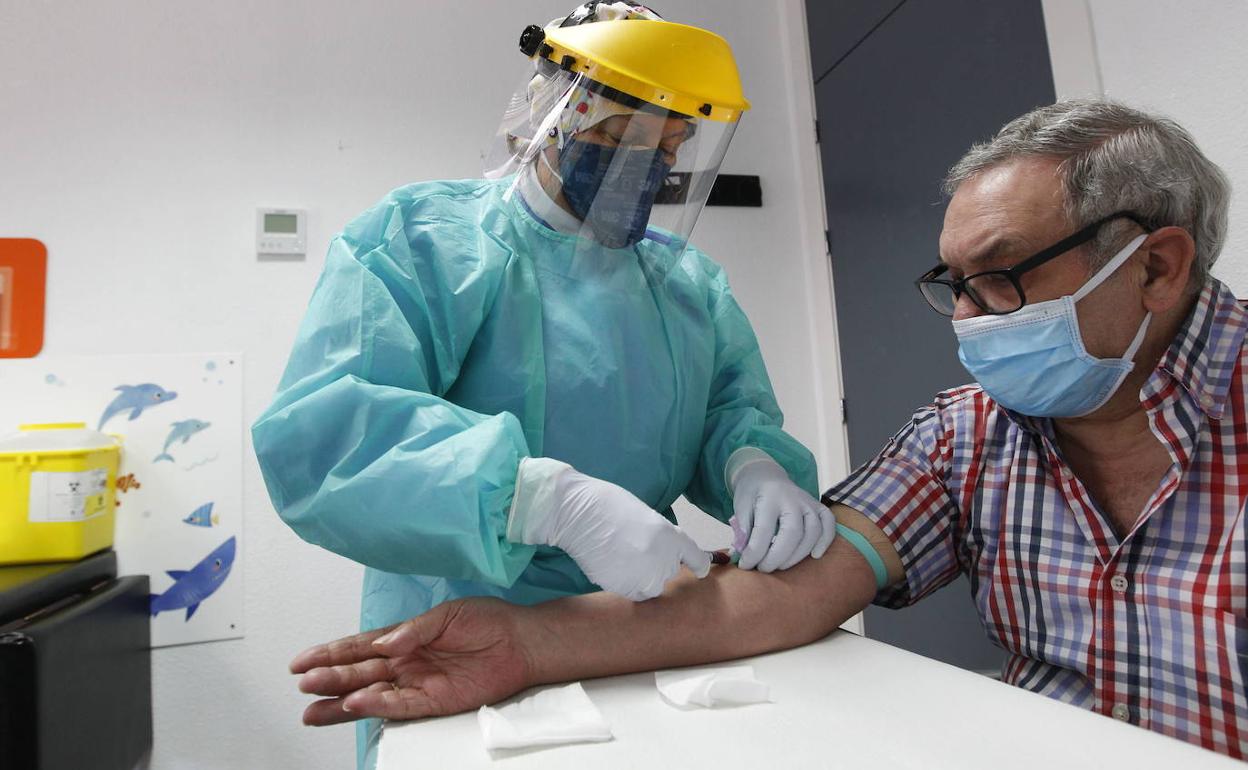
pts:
[1033, 360]
[612, 189]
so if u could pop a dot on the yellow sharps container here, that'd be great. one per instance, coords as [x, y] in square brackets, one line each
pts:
[58, 489]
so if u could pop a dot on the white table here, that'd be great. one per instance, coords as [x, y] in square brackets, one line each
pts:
[843, 702]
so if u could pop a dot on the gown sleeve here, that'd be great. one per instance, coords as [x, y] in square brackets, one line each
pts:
[741, 411]
[359, 452]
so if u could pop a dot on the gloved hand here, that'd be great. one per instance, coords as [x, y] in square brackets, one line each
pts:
[781, 524]
[618, 541]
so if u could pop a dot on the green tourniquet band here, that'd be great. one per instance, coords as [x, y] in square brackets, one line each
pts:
[868, 552]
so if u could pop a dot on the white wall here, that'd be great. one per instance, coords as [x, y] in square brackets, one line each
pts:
[137, 137]
[1184, 59]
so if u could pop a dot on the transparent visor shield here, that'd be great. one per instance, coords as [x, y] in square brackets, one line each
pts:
[611, 170]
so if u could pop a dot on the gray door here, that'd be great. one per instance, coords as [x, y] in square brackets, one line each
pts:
[902, 90]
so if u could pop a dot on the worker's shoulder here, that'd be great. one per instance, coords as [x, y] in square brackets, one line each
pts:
[700, 267]
[444, 201]
[443, 190]
[442, 198]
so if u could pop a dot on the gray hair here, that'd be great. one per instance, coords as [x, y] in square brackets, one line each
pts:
[1113, 158]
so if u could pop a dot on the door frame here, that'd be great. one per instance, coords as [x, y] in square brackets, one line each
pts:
[832, 452]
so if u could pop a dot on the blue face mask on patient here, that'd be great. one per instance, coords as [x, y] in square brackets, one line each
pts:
[612, 189]
[1033, 360]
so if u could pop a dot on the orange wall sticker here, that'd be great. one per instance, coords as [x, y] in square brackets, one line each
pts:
[23, 280]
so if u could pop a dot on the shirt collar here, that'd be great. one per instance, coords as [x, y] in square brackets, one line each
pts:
[1203, 356]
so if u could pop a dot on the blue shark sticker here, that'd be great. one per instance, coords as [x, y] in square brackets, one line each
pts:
[190, 587]
[182, 431]
[136, 398]
[202, 516]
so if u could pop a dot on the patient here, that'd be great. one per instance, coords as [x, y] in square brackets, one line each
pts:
[1091, 483]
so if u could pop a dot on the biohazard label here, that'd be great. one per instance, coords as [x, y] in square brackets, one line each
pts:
[68, 496]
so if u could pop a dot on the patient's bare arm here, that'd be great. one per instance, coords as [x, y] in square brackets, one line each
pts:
[466, 653]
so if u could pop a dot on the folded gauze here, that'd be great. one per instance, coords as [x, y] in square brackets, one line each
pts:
[707, 687]
[550, 717]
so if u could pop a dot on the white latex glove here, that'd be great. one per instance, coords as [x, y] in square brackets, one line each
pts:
[781, 523]
[618, 541]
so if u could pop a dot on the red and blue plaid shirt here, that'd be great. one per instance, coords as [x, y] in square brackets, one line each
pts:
[1152, 628]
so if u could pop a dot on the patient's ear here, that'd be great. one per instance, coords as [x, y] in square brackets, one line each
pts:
[1169, 254]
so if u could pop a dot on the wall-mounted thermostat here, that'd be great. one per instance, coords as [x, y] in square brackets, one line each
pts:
[281, 231]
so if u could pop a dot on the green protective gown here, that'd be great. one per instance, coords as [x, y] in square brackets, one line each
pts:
[453, 333]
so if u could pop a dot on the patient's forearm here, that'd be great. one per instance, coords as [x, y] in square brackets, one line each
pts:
[731, 613]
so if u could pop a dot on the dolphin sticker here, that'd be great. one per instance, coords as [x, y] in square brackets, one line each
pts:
[135, 398]
[182, 431]
[190, 587]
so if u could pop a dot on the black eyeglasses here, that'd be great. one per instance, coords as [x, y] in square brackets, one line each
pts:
[998, 292]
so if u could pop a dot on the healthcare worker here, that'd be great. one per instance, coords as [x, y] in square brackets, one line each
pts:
[501, 385]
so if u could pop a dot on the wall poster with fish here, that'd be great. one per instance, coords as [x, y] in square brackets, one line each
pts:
[179, 490]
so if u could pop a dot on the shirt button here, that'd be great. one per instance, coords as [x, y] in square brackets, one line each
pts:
[1118, 583]
[1121, 712]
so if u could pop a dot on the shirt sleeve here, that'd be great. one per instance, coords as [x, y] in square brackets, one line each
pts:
[904, 491]
[741, 409]
[360, 453]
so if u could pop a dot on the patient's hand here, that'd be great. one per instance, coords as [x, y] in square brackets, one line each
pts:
[456, 657]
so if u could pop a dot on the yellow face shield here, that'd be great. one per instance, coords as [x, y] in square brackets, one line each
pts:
[672, 66]
[622, 127]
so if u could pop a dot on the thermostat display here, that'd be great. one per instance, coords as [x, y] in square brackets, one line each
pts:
[287, 224]
[281, 231]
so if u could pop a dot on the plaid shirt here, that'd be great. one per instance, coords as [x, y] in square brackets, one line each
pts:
[1151, 629]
